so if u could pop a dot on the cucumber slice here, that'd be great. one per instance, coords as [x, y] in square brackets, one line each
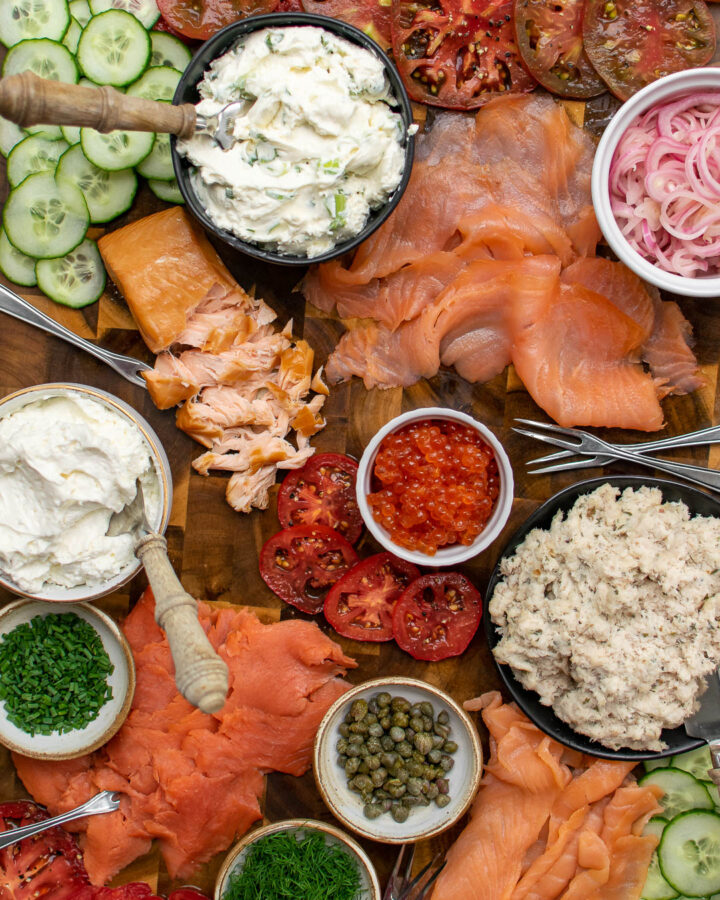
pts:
[696, 762]
[10, 134]
[45, 217]
[71, 134]
[22, 20]
[167, 50]
[158, 164]
[712, 789]
[651, 764]
[689, 853]
[49, 132]
[166, 190]
[114, 48]
[35, 154]
[80, 10]
[145, 11]
[45, 58]
[14, 265]
[157, 83]
[72, 35]
[76, 279]
[656, 888]
[682, 791]
[117, 149]
[107, 194]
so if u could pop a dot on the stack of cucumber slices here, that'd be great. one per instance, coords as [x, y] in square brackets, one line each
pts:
[687, 860]
[64, 180]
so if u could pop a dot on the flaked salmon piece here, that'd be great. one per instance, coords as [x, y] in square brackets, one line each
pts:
[668, 351]
[219, 408]
[577, 354]
[170, 382]
[236, 363]
[246, 491]
[295, 369]
[250, 454]
[165, 267]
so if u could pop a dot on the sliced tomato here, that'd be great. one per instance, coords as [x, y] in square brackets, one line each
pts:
[370, 16]
[138, 890]
[550, 41]
[322, 493]
[301, 564]
[457, 53]
[200, 19]
[361, 604]
[187, 894]
[162, 25]
[634, 42]
[436, 616]
[48, 865]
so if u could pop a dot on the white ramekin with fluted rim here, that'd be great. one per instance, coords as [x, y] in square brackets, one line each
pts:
[84, 593]
[457, 553]
[671, 87]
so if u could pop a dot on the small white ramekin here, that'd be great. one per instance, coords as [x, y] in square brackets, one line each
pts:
[84, 593]
[457, 553]
[660, 91]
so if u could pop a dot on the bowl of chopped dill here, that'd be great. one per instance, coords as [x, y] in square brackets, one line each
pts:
[67, 679]
[297, 858]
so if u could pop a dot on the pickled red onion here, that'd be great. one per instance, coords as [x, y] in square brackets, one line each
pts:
[665, 185]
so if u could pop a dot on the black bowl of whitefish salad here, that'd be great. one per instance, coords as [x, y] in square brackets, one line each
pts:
[322, 150]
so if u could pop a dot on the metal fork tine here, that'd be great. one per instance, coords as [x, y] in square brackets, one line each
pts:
[411, 885]
[429, 883]
[585, 463]
[555, 441]
[551, 457]
[550, 426]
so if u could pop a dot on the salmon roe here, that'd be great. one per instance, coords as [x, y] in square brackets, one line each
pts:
[435, 484]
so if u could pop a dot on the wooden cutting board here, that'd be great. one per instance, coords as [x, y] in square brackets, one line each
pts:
[215, 550]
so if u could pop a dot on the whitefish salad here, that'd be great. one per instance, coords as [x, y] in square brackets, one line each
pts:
[316, 148]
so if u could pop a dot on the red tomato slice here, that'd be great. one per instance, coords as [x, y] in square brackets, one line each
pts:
[162, 25]
[634, 42]
[200, 19]
[135, 891]
[361, 604]
[457, 53]
[322, 493]
[48, 866]
[549, 37]
[187, 894]
[301, 564]
[437, 616]
[370, 16]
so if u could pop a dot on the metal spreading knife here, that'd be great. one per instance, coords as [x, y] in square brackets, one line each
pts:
[705, 723]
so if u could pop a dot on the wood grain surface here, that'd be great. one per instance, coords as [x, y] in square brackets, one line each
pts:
[215, 550]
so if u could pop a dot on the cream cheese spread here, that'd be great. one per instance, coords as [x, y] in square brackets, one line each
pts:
[67, 462]
[316, 148]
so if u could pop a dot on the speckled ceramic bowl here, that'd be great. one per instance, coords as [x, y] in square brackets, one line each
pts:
[423, 822]
[370, 886]
[82, 593]
[111, 715]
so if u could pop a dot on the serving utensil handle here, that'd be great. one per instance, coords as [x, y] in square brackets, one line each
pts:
[201, 676]
[27, 99]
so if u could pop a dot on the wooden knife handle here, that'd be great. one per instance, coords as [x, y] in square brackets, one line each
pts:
[27, 99]
[201, 676]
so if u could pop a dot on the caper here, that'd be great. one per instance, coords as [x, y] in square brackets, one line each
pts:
[417, 724]
[410, 802]
[415, 710]
[404, 749]
[443, 717]
[443, 785]
[399, 766]
[427, 723]
[379, 776]
[442, 800]
[437, 740]
[355, 739]
[418, 757]
[373, 706]
[395, 788]
[423, 744]
[353, 750]
[381, 794]
[364, 768]
[386, 723]
[442, 730]
[341, 745]
[342, 760]
[431, 791]
[352, 765]
[400, 813]
[362, 783]
[374, 761]
[344, 729]
[359, 728]
[434, 756]
[397, 734]
[414, 787]
[372, 810]
[450, 747]
[370, 719]
[401, 719]
[387, 743]
[348, 718]
[414, 768]
[386, 804]
[446, 763]
[376, 730]
[383, 699]
[426, 709]
[373, 744]
[429, 772]
[400, 704]
[359, 709]
[389, 759]
[409, 734]
[403, 775]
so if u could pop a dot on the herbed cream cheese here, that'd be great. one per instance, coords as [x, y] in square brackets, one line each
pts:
[67, 462]
[316, 149]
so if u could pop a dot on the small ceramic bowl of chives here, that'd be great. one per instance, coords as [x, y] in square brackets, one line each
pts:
[369, 888]
[110, 715]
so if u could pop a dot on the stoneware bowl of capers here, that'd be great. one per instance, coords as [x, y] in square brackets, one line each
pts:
[397, 760]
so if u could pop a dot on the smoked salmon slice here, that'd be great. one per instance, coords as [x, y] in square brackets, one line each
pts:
[193, 781]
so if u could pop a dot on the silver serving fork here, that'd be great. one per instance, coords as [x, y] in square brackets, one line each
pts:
[127, 366]
[104, 802]
[400, 887]
[590, 446]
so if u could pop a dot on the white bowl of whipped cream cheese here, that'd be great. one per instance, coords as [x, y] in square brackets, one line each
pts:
[70, 456]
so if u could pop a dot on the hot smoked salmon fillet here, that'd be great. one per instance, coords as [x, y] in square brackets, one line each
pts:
[548, 823]
[190, 780]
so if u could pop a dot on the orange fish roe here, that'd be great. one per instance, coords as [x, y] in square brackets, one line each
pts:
[436, 484]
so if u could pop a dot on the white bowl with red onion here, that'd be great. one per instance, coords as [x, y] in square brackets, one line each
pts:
[656, 183]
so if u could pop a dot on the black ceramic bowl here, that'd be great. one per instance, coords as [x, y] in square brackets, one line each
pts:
[677, 739]
[187, 93]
